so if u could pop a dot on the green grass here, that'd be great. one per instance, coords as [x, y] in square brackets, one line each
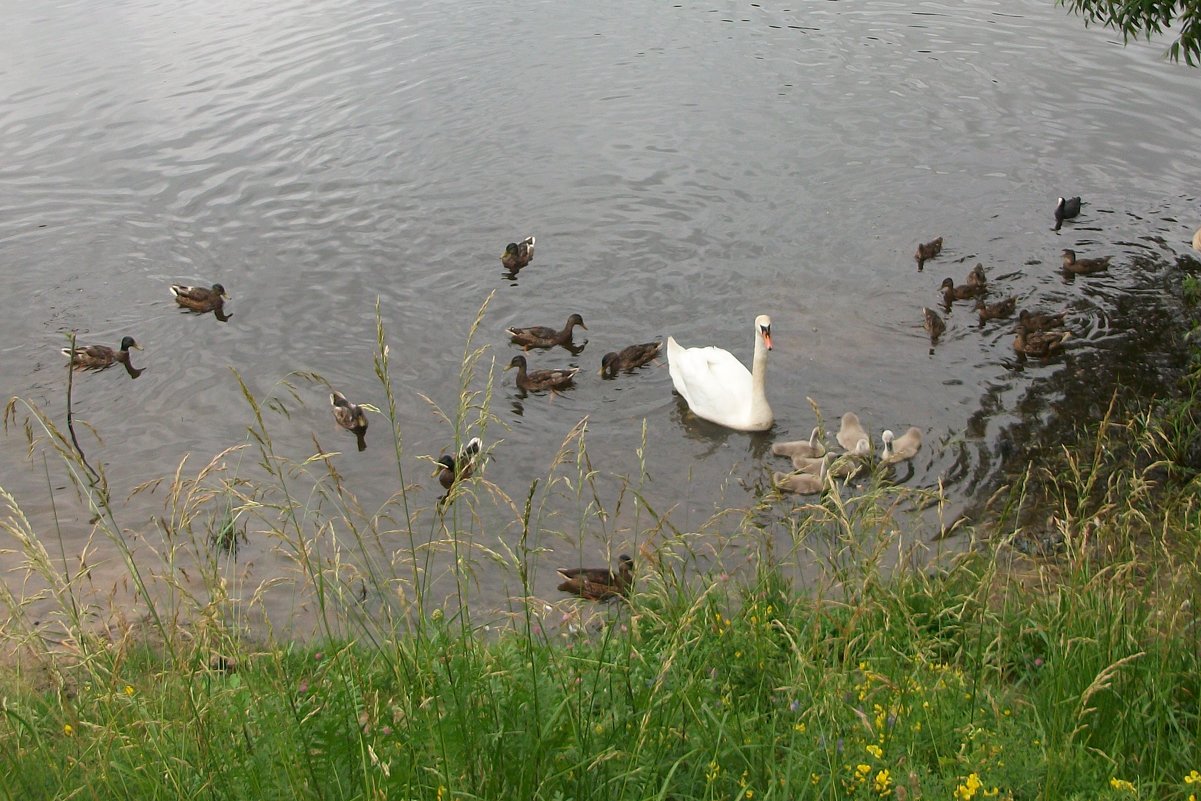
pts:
[989, 675]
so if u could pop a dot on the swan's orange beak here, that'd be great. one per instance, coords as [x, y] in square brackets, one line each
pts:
[767, 337]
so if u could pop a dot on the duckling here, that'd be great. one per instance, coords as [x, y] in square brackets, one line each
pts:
[902, 448]
[452, 468]
[541, 379]
[976, 277]
[810, 448]
[518, 254]
[851, 431]
[1066, 209]
[933, 324]
[1040, 321]
[843, 465]
[1039, 343]
[926, 251]
[541, 336]
[599, 583]
[629, 358]
[951, 293]
[98, 357]
[199, 298]
[1083, 266]
[350, 416]
[995, 311]
[802, 483]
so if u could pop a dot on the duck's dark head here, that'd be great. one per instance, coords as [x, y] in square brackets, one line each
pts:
[128, 342]
[220, 290]
[625, 562]
[447, 462]
[511, 250]
[947, 283]
[1069, 256]
[576, 319]
[518, 362]
[608, 364]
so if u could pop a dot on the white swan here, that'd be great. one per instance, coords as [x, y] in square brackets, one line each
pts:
[718, 387]
[899, 449]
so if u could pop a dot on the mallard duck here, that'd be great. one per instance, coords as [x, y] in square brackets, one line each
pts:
[200, 298]
[1040, 321]
[541, 379]
[629, 358]
[1039, 343]
[801, 448]
[933, 324]
[719, 388]
[995, 311]
[902, 448]
[926, 251]
[599, 583]
[1066, 209]
[851, 431]
[518, 254]
[951, 293]
[451, 468]
[802, 483]
[977, 277]
[1083, 266]
[350, 416]
[98, 357]
[541, 336]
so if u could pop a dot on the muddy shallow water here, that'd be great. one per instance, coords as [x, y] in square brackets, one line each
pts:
[684, 168]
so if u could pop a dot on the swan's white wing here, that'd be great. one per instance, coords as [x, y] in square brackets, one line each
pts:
[716, 385]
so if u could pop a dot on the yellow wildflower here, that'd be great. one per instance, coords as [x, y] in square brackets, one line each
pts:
[129, 689]
[876, 751]
[1193, 777]
[68, 729]
[862, 770]
[1122, 784]
[883, 783]
[712, 773]
[799, 727]
[969, 788]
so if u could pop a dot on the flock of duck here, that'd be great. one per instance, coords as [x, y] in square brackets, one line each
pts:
[716, 386]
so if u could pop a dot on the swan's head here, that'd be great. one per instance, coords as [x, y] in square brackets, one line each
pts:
[862, 447]
[850, 419]
[763, 327]
[888, 437]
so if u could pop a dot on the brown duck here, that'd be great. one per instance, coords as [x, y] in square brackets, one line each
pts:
[1083, 266]
[541, 379]
[926, 251]
[350, 416]
[541, 336]
[933, 324]
[1039, 343]
[200, 298]
[599, 583]
[995, 311]
[628, 358]
[518, 254]
[99, 357]
[976, 277]
[950, 292]
[454, 468]
[1040, 321]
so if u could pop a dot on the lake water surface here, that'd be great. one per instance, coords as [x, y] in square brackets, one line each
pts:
[684, 167]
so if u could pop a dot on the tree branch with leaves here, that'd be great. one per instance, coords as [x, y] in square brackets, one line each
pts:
[1149, 18]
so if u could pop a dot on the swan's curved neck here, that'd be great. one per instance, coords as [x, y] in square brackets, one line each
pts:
[760, 408]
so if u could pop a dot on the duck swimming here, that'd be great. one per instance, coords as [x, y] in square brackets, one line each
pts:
[350, 416]
[926, 251]
[98, 357]
[628, 358]
[200, 298]
[541, 379]
[995, 311]
[599, 583]
[933, 324]
[454, 468]
[518, 254]
[1066, 209]
[1039, 343]
[1083, 266]
[951, 293]
[541, 336]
